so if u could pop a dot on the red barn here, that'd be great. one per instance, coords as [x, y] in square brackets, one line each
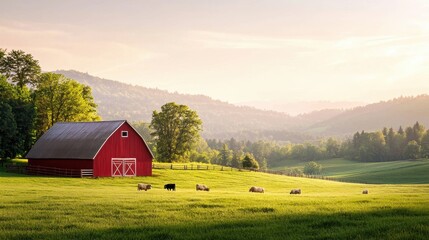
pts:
[109, 148]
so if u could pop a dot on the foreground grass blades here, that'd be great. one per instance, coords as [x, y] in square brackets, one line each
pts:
[112, 208]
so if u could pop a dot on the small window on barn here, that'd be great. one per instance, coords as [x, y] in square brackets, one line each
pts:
[124, 133]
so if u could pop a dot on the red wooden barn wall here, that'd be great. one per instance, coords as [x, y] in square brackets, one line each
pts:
[123, 147]
[62, 163]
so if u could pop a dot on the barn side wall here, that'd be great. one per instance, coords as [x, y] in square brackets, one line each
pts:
[123, 147]
[62, 163]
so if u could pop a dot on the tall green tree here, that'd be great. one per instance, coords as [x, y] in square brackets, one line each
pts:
[236, 160]
[332, 148]
[401, 131]
[410, 134]
[21, 104]
[176, 129]
[8, 148]
[225, 155]
[418, 132]
[425, 145]
[19, 67]
[58, 98]
[24, 111]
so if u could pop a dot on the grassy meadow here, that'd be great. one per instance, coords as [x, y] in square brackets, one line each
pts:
[112, 208]
[396, 172]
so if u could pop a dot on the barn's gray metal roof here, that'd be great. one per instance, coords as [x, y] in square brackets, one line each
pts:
[73, 140]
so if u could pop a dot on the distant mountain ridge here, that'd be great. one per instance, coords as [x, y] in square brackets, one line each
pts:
[402, 111]
[223, 120]
[136, 103]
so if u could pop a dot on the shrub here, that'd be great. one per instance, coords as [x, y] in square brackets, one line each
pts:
[250, 162]
[312, 168]
[294, 172]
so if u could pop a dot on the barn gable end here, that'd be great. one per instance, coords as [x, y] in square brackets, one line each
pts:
[118, 148]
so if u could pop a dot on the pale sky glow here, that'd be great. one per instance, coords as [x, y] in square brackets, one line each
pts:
[236, 51]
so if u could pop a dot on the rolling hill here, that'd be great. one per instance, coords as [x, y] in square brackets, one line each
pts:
[393, 172]
[402, 111]
[223, 120]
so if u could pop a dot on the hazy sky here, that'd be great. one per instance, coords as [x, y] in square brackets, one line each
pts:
[237, 51]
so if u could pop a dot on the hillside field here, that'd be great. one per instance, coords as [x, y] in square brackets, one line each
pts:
[112, 208]
[394, 172]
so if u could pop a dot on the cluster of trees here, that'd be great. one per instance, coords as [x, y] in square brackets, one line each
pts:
[32, 101]
[388, 144]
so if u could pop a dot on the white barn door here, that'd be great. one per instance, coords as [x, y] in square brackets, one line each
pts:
[125, 167]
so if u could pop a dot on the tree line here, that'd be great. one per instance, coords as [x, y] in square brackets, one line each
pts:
[383, 145]
[388, 144]
[31, 101]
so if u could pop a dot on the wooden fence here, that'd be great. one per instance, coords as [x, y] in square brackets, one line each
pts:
[191, 167]
[48, 171]
[15, 168]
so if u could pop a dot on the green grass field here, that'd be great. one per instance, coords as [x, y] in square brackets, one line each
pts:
[395, 172]
[112, 208]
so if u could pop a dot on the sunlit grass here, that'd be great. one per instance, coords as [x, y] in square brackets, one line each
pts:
[405, 171]
[112, 208]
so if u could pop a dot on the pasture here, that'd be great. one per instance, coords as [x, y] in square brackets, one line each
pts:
[112, 208]
[394, 172]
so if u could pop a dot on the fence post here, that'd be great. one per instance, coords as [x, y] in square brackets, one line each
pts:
[171, 166]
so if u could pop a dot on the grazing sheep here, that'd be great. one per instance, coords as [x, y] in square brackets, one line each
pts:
[170, 187]
[295, 191]
[365, 191]
[257, 189]
[143, 186]
[202, 187]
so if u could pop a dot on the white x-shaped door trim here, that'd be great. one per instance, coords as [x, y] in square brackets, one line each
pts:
[117, 167]
[124, 167]
[129, 168]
